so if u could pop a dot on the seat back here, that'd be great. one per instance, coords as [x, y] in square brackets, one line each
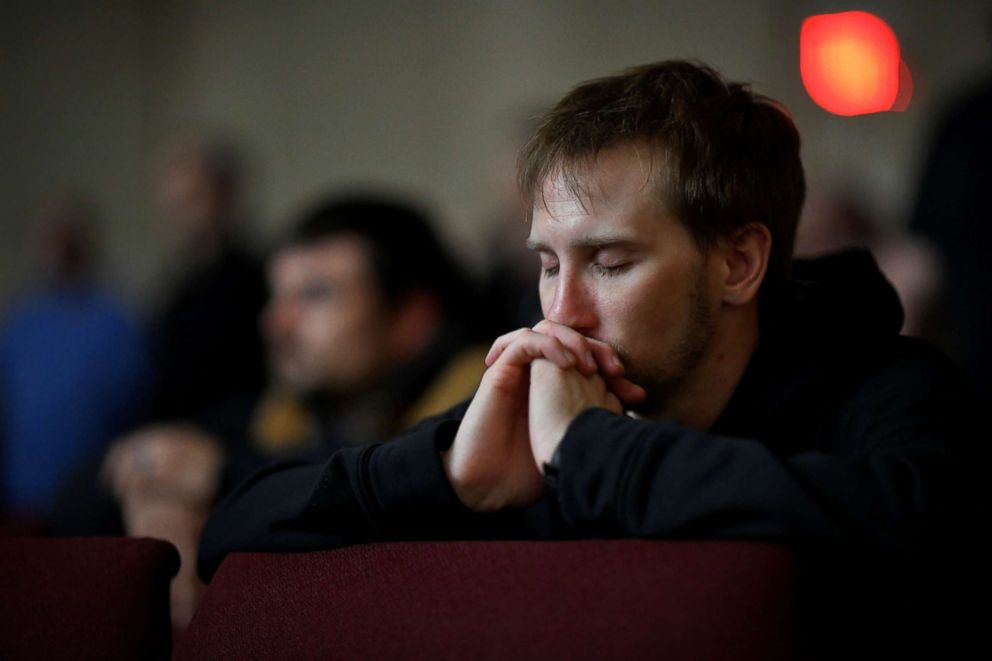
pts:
[85, 598]
[502, 600]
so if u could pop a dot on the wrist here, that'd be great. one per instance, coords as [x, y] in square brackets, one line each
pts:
[468, 497]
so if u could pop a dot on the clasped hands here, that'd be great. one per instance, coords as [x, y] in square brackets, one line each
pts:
[538, 380]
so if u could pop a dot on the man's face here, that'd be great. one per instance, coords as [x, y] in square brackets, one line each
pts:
[618, 268]
[190, 199]
[325, 323]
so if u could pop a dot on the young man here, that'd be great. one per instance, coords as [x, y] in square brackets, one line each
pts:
[686, 380]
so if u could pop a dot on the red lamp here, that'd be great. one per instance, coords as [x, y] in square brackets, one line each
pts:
[850, 63]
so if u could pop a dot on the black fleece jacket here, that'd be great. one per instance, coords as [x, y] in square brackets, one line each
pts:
[843, 439]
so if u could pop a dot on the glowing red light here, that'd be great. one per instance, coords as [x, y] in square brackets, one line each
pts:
[850, 62]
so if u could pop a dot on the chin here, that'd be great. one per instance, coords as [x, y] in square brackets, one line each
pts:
[659, 386]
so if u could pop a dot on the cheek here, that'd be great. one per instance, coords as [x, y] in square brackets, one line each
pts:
[641, 314]
[622, 320]
[325, 330]
[350, 336]
[546, 292]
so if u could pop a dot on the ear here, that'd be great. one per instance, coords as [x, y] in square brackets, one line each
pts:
[745, 261]
[414, 324]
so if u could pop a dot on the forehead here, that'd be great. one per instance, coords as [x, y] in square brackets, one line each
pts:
[338, 257]
[617, 197]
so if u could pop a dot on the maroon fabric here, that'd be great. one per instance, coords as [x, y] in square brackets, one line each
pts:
[499, 600]
[20, 526]
[85, 598]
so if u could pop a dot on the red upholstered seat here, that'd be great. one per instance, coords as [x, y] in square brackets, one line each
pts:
[20, 526]
[502, 600]
[85, 598]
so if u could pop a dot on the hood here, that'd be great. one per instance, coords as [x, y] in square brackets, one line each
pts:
[838, 296]
[837, 312]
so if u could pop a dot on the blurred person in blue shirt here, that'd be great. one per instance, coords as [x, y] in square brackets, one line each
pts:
[74, 371]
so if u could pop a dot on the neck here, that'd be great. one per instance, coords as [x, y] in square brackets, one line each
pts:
[205, 247]
[709, 387]
[355, 420]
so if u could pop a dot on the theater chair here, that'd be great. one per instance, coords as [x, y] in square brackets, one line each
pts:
[502, 600]
[85, 598]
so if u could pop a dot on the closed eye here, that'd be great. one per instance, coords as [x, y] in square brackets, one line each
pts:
[611, 270]
[549, 264]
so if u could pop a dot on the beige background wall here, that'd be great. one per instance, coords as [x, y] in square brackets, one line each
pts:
[419, 96]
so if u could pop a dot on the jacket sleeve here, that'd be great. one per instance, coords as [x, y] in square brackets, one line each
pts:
[892, 468]
[396, 490]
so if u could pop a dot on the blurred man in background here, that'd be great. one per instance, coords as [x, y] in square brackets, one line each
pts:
[952, 210]
[204, 337]
[74, 371]
[368, 331]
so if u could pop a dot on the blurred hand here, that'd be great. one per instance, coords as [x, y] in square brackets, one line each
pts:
[165, 478]
[177, 462]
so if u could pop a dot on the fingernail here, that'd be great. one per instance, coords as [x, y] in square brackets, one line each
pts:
[590, 361]
[616, 362]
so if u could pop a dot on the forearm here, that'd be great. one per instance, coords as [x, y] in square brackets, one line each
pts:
[623, 477]
[394, 490]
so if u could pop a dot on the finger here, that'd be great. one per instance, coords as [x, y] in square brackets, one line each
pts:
[613, 404]
[606, 358]
[576, 342]
[530, 346]
[625, 390]
[596, 354]
[501, 343]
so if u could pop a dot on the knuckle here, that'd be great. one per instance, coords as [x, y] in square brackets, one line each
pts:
[547, 327]
[522, 338]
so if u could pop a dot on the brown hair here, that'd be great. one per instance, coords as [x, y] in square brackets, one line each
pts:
[729, 157]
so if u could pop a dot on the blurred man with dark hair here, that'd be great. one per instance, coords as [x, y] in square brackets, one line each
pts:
[688, 379]
[366, 306]
[367, 333]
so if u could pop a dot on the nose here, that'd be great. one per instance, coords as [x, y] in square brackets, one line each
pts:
[571, 303]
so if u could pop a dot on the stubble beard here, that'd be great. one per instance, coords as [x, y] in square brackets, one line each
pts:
[663, 382]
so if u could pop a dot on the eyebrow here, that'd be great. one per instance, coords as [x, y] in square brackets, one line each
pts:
[601, 241]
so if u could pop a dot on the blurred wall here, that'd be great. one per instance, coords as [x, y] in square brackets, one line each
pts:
[420, 96]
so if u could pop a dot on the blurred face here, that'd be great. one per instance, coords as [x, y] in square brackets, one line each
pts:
[190, 199]
[618, 268]
[325, 324]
